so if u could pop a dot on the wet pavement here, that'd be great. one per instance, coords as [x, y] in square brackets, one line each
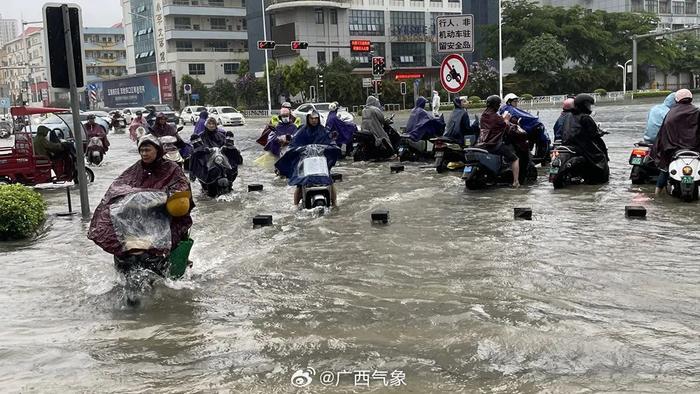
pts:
[453, 294]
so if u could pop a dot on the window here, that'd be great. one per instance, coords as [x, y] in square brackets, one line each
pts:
[408, 54]
[182, 23]
[218, 23]
[691, 7]
[245, 24]
[366, 23]
[216, 3]
[196, 68]
[335, 55]
[637, 6]
[678, 8]
[334, 17]
[217, 46]
[404, 23]
[319, 16]
[652, 6]
[321, 57]
[231, 68]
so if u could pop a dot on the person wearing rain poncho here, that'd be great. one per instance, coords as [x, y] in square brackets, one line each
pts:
[344, 130]
[373, 124]
[276, 136]
[422, 123]
[214, 137]
[144, 217]
[312, 133]
[200, 126]
[656, 118]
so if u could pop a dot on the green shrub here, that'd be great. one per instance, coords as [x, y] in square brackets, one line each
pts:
[474, 99]
[22, 211]
[659, 93]
[601, 92]
[526, 96]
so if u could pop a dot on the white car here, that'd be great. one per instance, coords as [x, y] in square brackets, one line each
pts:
[102, 114]
[191, 114]
[130, 113]
[227, 116]
[323, 110]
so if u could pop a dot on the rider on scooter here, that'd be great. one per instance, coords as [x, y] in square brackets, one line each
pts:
[537, 134]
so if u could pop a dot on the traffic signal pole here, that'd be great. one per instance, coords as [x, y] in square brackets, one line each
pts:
[267, 66]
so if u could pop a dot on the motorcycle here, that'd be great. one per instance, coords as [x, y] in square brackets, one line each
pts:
[142, 226]
[483, 169]
[410, 149]
[95, 151]
[118, 122]
[365, 148]
[448, 151]
[221, 171]
[308, 167]
[684, 175]
[570, 168]
[644, 168]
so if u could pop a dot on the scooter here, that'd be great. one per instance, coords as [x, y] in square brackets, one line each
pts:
[220, 171]
[484, 169]
[448, 151]
[95, 151]
[172, 153]
[365, 148]
[644, 168]
[423, 149]
[118, 122]
[570, 168]
[684, 175]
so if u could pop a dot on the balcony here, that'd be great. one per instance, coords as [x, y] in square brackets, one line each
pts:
[200, 10]
[273, 5]
[186, 34]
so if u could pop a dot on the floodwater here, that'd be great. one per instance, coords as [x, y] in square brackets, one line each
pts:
[452, 295]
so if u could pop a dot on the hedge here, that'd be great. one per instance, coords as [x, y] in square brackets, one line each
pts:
[526, 96]
[22, 212]
[660, 93]
[601, 92]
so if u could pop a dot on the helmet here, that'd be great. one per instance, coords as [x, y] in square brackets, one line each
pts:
[286, 104]
[568, 104]
[178, 203]
[683, 94]
[333, 106]
[160, 115]
[493, 101]
[149, 139]
[583, 103]
[91, 116]
[510, 97]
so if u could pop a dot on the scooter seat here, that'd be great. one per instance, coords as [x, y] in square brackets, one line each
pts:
[686, 154]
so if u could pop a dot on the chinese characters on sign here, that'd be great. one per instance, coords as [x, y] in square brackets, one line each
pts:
[359, 378]
[455, 33]
[159, 30]
[360, 45]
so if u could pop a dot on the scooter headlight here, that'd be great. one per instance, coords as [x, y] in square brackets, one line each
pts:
[219, 160]
[687, 170]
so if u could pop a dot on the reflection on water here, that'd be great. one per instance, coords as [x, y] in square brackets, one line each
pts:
[453, 292]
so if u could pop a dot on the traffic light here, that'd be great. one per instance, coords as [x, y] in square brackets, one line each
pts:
[378, 66]
[320, 81]
[403, 88]
[297, 45]
[266, 45]
[377, 86]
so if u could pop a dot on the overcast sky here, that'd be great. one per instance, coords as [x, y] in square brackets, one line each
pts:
[96, 13]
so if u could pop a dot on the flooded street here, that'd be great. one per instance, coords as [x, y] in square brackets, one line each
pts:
[453, 291]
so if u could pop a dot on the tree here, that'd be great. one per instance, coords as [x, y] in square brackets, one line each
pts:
[483, 79]
[341, 84]
[197, 88]
[223, 93]
[543, 54]
[298, 77]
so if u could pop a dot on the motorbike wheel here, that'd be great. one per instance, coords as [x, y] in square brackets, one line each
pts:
[5, 181]
[476, 180]
[559, 181]
[532, 174]
[440, 165]
[638, 175]
[692, 196]
[88, 174]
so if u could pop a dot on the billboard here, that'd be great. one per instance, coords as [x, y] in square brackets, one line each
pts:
[136, 90]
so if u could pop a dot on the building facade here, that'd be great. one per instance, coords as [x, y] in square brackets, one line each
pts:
[8, 30]
[402, 31]
[673, 14]
[206, 39]
[105, 52]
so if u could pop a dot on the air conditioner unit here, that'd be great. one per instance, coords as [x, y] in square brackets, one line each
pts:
[230, 27]
[195, 27]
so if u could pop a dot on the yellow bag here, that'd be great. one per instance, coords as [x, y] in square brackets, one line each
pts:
[266, 160]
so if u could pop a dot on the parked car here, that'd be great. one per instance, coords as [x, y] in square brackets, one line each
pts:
[165, 109]
[191, 114]
[130, 112]
[323, 110]
[227, 116]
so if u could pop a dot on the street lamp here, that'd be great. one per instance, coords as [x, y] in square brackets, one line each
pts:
[267, 68]
[624, 77]
[30, 93]
[500, 48]
[155, 50]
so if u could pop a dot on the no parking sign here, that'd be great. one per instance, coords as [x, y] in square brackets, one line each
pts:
[454, 73]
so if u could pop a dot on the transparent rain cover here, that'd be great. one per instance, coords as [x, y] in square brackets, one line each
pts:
[313, 162]
[141, 222]
[217, 152]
